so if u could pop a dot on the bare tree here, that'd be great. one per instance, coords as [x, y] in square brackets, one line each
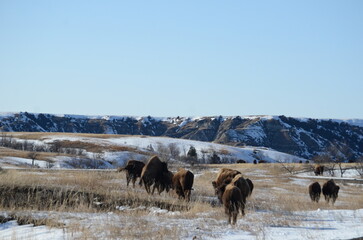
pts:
[33, 156]
[174, 150]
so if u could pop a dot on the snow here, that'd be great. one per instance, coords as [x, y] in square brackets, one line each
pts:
[318, 224]
[11, 230]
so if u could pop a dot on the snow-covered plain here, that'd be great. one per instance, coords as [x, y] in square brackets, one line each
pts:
[325, 222]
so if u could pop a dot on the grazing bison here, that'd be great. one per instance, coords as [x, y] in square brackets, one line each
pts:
[183, 183]
[232, 201]
[330, 191]
[242, 185]
[165, 182]
[241, 161]
[315, 191]
[250, 184]
[224, 177]
[319, 170]
[133, 170]
[154, 172]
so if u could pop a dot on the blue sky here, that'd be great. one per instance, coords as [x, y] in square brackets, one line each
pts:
[182, 58]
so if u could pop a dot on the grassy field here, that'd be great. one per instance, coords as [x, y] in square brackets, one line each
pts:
[76, 199]
[98, 192]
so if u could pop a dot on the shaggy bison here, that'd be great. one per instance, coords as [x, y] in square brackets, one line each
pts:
[165, 182]
[183, 183]
[133, 170]
[330, 191]
[232, 201]
[319, 170]
[155, 172]
[315, 191]
[224, 177]
[239, 182]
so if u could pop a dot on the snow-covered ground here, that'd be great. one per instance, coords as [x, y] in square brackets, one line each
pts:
[322, 223]
[319, 224]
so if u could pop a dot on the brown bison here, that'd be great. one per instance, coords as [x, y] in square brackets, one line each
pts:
[241, 161]
[224, 177]
[154, 172]
[133, 170]
[330, 191]
[165, 182]
[183, 183]
[232, 201]
[315, 191]
[242, 185]
[319, 170]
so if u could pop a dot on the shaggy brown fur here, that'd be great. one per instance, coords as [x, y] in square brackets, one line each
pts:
[319, 170]
[154, 172]
[165, 182]
[183, 183]
[133, 170]
[315, 191]
[224, 177]
[330, 191]
[243, 186]
[232, 201]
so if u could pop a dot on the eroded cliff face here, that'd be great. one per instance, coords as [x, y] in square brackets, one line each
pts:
[301, 137]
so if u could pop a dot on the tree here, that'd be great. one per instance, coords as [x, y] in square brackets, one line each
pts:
[33, 156]
[174, 150]
[192, 155]
[215, 159]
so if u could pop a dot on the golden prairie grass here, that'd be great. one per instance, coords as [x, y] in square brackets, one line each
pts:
[275, 192]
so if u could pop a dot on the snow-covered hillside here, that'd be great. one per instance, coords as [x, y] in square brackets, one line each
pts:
[303, 137]
[137, 145]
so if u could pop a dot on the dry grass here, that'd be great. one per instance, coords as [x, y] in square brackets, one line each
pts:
[275, 192]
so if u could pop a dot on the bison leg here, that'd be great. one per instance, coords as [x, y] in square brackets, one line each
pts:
[187, 195]
[128, 179]
[134, 180]
[234, 217]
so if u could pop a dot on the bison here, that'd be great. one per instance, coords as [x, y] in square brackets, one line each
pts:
[315, 191]
[224, 177]
[165, 182]
[154, 172]
[319, 170]
[232, 201]
[133, 170]
[183, 183]
[330, 191]
[242, 185]
[241, 161]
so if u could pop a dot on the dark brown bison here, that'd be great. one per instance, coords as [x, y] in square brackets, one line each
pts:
[165, 182]
[232, 201]
[154, 172]
[243, 186]
[319, 170]
[250, 184]
[330, 191]
[183, 183]
[224, 177]
[133, 170]
[241, 161]
[315, 191]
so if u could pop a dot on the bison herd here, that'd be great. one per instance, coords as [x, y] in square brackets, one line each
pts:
[230, 187]
[330, 191]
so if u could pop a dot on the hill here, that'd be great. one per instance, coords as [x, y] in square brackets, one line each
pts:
[303, 137]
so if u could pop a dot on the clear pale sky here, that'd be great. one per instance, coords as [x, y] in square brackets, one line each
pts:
[182, 58]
